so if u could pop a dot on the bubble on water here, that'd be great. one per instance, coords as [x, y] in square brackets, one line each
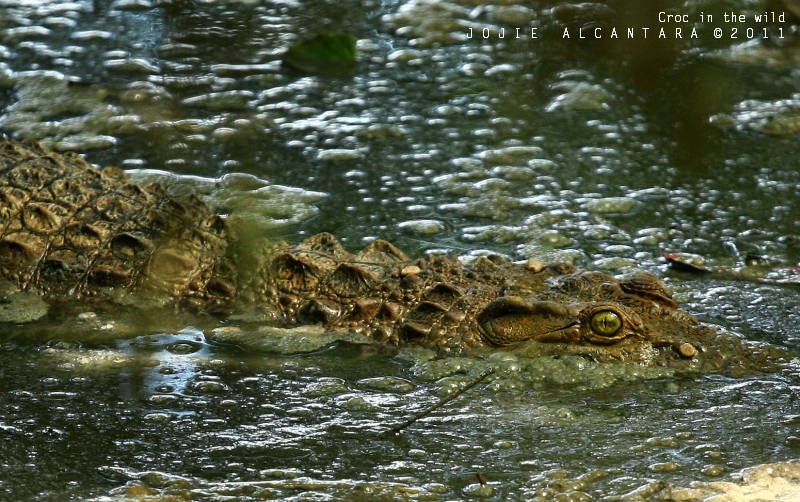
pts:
[339, 155]
[162, 400]
[513, 173]
[327, 386]
[714, 471]
[440, 368]
[501, 70]
[579, 96]
[543, 165]
[91, 35]
[614, 263]
[549, 255]
[300, 411]
[14, 35]
[500, 357]
[132, 65]
[387, 384]
[612, 205]
[468, 163]
[422, 227]
[357, 404]
[618, 249]
[280, 473]
[547, 218]
[512, 155]
[132, 5]
[226, 101]
[159, 418]
[478, 490]
[84, 359]
[207, 387]
[662, 467]
[184, 347]
[597, 232]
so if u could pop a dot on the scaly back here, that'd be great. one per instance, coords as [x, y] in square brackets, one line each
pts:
[70, 230]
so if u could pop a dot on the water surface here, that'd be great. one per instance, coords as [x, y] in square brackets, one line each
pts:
[605, 152]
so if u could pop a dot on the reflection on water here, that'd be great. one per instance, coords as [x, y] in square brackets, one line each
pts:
[606, 152]
[84, 417]
[81, 418]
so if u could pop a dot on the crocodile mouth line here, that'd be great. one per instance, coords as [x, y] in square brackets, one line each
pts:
[555, 335]
[560, 335]
[564, 328]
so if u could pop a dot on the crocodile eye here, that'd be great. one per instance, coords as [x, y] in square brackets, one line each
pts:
[606, 323]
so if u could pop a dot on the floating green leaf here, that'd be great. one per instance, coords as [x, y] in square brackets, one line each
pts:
[326, 54]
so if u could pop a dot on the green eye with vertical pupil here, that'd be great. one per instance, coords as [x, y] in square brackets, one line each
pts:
[606, 323]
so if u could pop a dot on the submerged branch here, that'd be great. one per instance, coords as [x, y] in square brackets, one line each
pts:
[395, 430]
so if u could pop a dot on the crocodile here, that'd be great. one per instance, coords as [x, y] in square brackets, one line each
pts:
[70, 232]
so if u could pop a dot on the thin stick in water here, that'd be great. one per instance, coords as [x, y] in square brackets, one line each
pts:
[394, 430]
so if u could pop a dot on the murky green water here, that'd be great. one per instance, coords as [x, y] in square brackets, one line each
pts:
[608, 152]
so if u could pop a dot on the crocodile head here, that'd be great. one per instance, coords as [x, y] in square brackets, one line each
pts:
[631, 319]
[581, 308]
[492, 304]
